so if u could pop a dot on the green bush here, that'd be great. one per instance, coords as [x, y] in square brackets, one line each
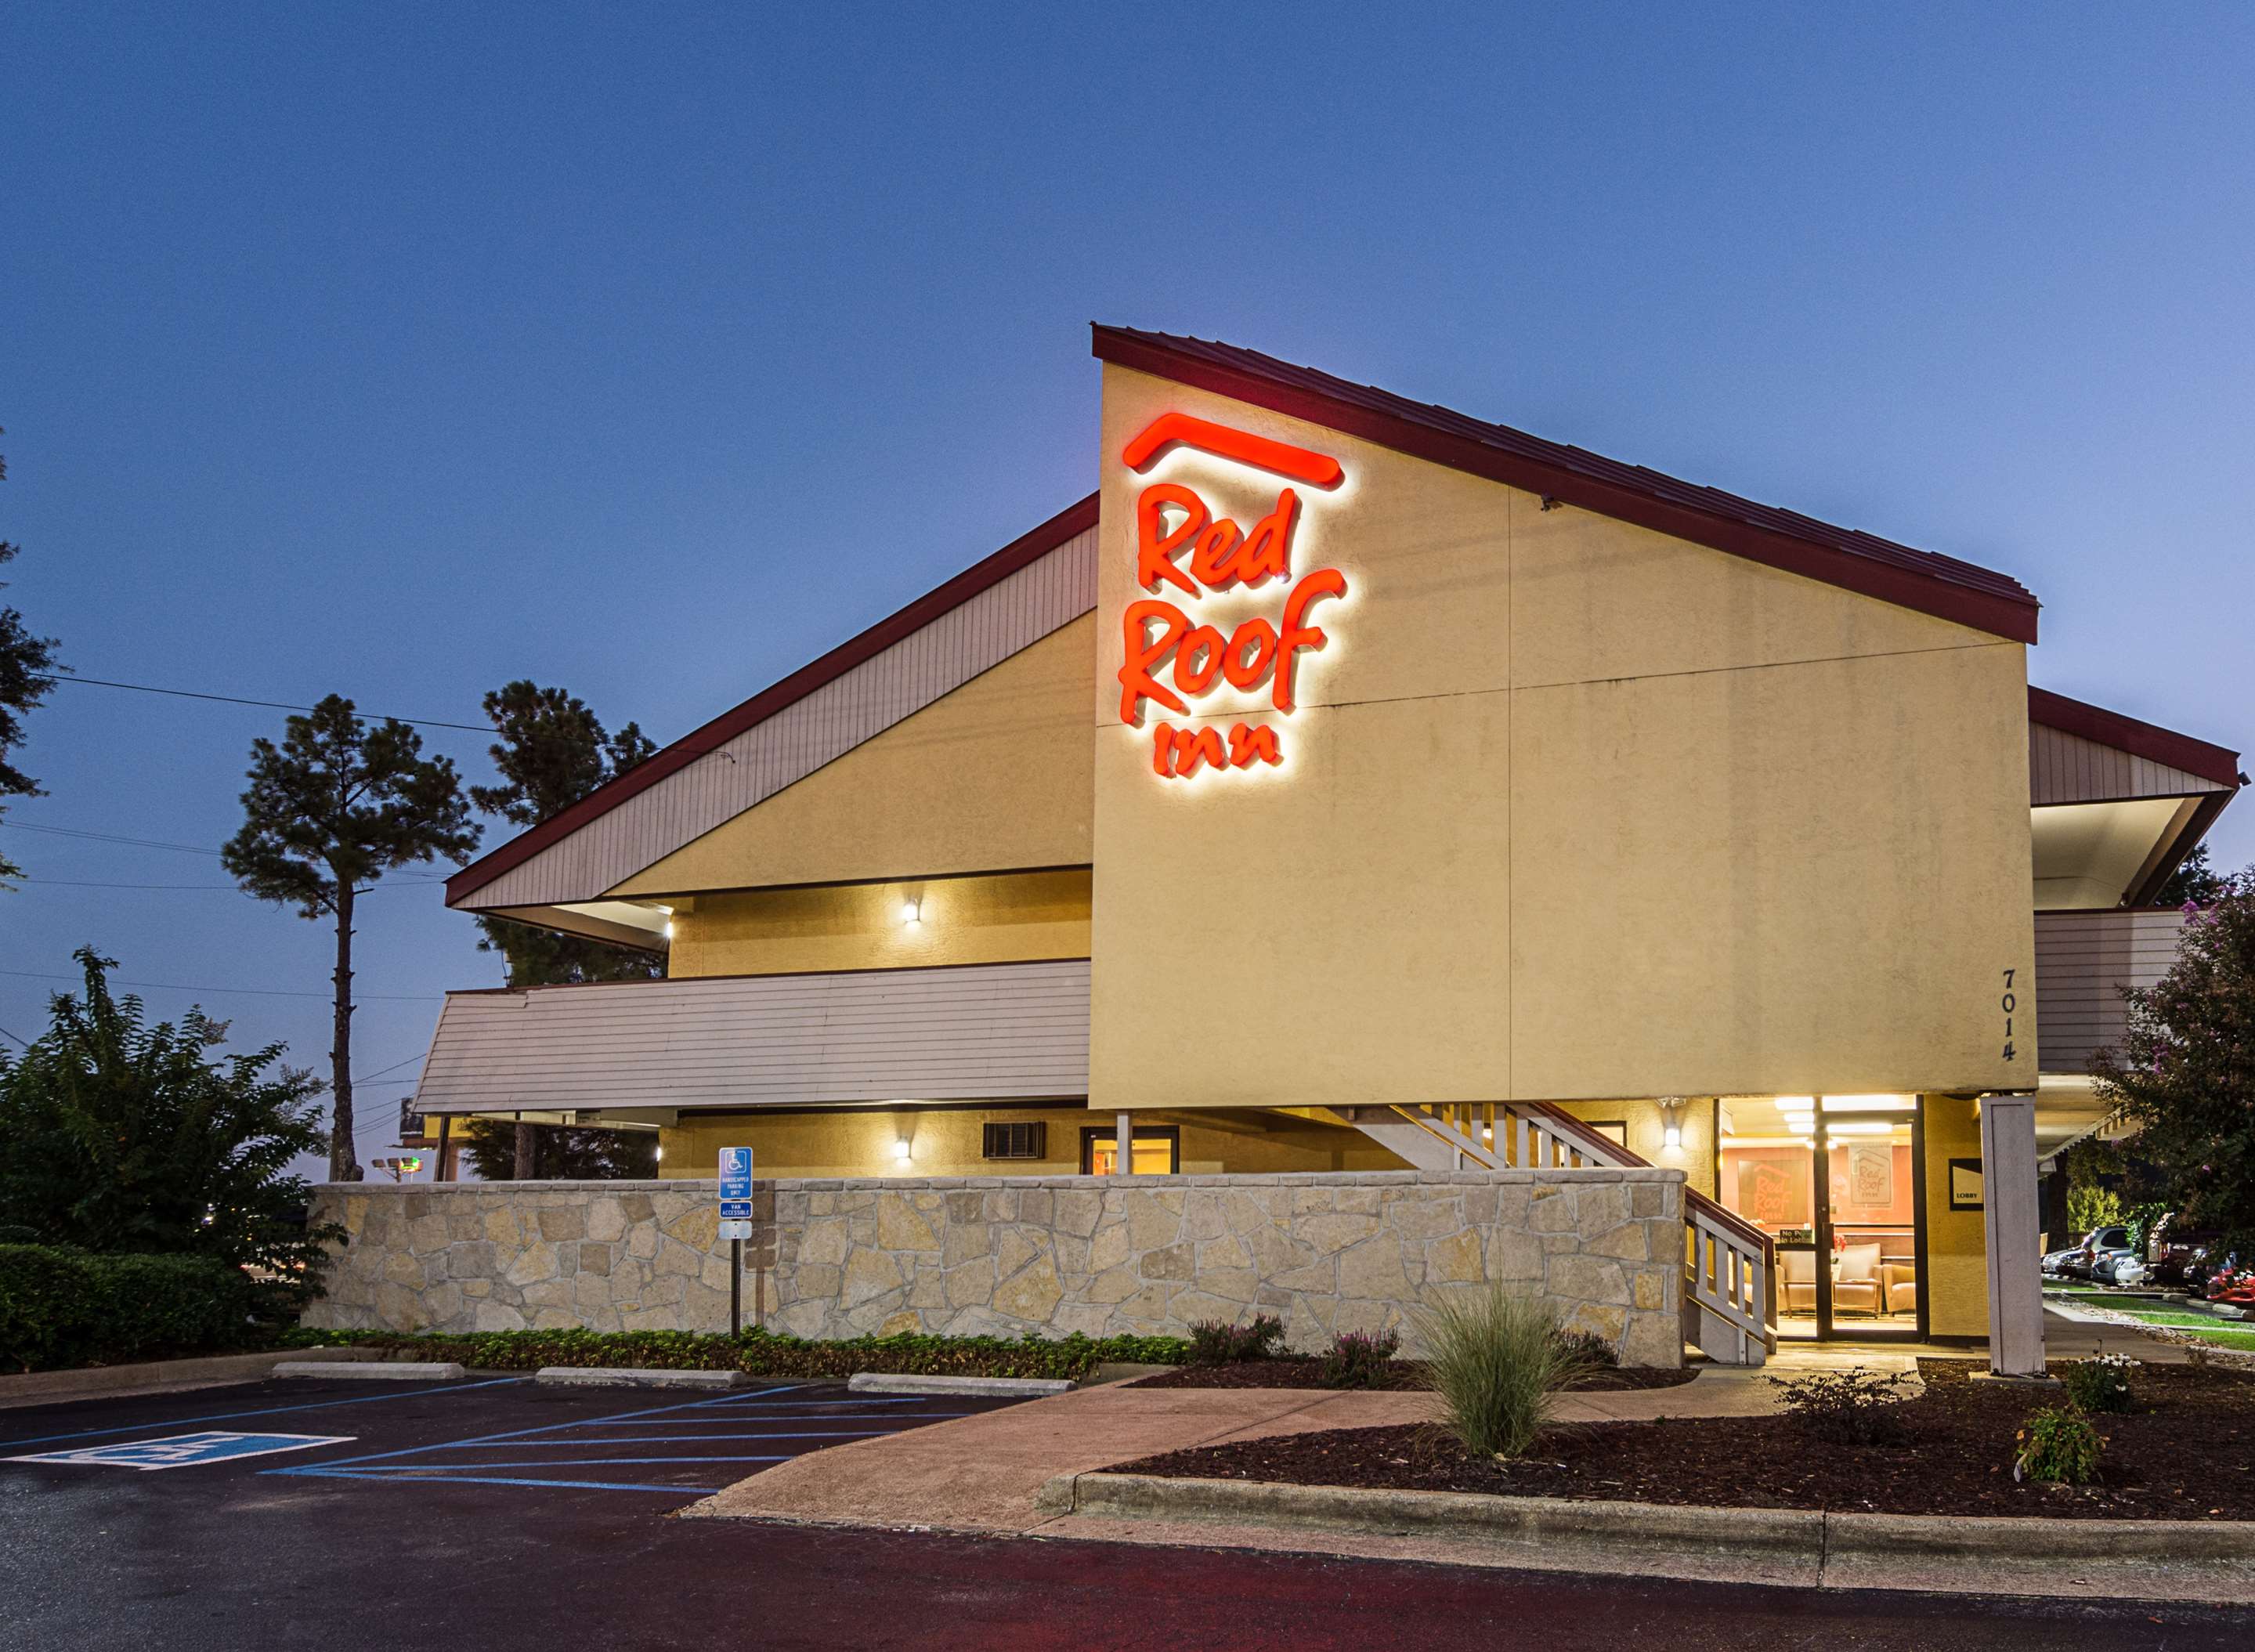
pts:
[1218, 1342]
[1358, 1360]
[2058, 1444]
[764, 1354]
[1854, 1407]
[1587, 1349]
[1495, 1360]
[60, 1308]
[2100, 1383]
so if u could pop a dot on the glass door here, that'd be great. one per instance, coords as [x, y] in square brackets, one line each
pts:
[1834, 1183]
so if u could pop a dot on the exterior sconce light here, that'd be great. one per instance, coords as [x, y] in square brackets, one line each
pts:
[901, 1151]
[1671, 1122]
[911, 914]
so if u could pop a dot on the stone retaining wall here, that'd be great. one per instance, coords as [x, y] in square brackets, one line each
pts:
[1009, 1255]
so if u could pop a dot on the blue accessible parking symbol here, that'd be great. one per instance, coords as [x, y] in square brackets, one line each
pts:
[182, 1451]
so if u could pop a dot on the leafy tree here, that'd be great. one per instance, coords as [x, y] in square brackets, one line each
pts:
[560, 1153]
[2183, 1073]
[552, 752]
[2194, 881]
[122, 1137]
[26, 665]
[328, 812]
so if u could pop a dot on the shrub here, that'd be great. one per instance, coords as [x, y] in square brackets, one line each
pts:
[1358, 1360]
[2057, 1445]
[765, 1353]
[1589, 1349]
[1854, 1407]
[60, 1307]
[1218, 1342]
[2100, 1383]
[1495, 1360]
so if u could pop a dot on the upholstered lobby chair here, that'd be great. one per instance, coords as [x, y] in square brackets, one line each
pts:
[1898, 1285]
[1798, 1271]
[1856, 1287]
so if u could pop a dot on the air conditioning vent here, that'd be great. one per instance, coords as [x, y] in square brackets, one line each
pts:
[1016, 1141]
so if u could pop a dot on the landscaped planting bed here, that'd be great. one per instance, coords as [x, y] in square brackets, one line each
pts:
[1293, 1371]
[2185, 1451]
[763, 1354]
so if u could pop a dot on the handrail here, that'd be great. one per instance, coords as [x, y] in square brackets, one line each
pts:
[1558, 1121]
[1732, 1223]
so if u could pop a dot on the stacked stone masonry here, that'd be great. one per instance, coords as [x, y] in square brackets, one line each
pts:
[1008, 1257]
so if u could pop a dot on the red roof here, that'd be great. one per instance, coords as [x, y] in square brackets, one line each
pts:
[1020, 553]
[1861, 562]
[2148, 741]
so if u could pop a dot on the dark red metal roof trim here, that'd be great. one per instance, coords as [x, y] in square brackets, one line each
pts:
[1921, 580]
[1020, 553]
[2148, 741]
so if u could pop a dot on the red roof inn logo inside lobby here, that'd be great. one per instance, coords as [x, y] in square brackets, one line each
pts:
[1186, 547]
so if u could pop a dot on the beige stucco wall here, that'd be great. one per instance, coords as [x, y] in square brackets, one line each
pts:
[1003, 918]
[1569, 809]
[995, 775]
[1020, 1255]
[948, 1141]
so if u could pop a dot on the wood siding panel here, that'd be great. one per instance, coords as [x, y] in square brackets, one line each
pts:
[990, 1032]
[2082, 958]
[944, 655]
[2065, 768]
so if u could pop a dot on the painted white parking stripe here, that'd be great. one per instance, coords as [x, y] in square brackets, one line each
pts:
[183, 1450]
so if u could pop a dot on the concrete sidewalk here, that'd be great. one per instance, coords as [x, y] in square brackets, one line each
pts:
[982, 1473]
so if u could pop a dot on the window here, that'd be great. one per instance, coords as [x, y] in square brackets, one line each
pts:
[1158, 1150]
[1022, 1140]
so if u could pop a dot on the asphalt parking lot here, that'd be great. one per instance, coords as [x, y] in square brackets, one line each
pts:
[494, 1514]
[484, 1431]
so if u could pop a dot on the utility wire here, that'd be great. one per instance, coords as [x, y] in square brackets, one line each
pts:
[233, 889]
[257, 992]
[19, 1041]
[236, 700]
[109, 837]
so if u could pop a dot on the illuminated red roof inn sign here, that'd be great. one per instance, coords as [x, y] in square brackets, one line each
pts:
[1186, 554]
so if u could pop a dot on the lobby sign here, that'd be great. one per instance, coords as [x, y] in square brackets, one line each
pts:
[1187, 553]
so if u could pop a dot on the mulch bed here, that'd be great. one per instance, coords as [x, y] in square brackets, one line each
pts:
[1293, 1373]
[2186, 1451]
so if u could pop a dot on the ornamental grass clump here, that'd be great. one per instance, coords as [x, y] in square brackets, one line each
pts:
[2100, 1383]
[2059, 1445]
[1496, 1361]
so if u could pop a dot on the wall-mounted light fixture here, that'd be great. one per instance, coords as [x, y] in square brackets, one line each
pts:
[1671, 1122]
[902, 1152]
[912, 913]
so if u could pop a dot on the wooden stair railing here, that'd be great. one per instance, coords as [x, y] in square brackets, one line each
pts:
[1729, 1285]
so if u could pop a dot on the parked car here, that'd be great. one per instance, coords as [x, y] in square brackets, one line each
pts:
[2181, 1262]
[2119, 1265]
[2055, 1262]
[2081, 1259]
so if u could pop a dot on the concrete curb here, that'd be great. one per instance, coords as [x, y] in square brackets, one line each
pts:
[373, 1370]
[992, 1388]
[2133, 1558]
[96, 1381]
[601, 1377]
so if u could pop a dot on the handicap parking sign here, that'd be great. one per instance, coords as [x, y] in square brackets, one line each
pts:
[735, 1183]
[181, 1451]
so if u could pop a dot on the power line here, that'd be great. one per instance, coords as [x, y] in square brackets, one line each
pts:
[19, 1041]
[236, 700]
[109, 837]
[232, 889]
[257, 992]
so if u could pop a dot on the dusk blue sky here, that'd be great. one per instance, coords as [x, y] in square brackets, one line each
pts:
[649, 351]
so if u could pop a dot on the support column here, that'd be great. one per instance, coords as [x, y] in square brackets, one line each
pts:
[1123, 1144]
[2008, 1195]
[440, 1172]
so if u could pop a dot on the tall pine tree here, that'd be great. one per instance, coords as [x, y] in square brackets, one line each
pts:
[330, 810]
[551, 752]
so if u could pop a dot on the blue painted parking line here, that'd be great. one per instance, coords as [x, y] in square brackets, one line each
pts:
[786, 1415]
[270, 1410]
